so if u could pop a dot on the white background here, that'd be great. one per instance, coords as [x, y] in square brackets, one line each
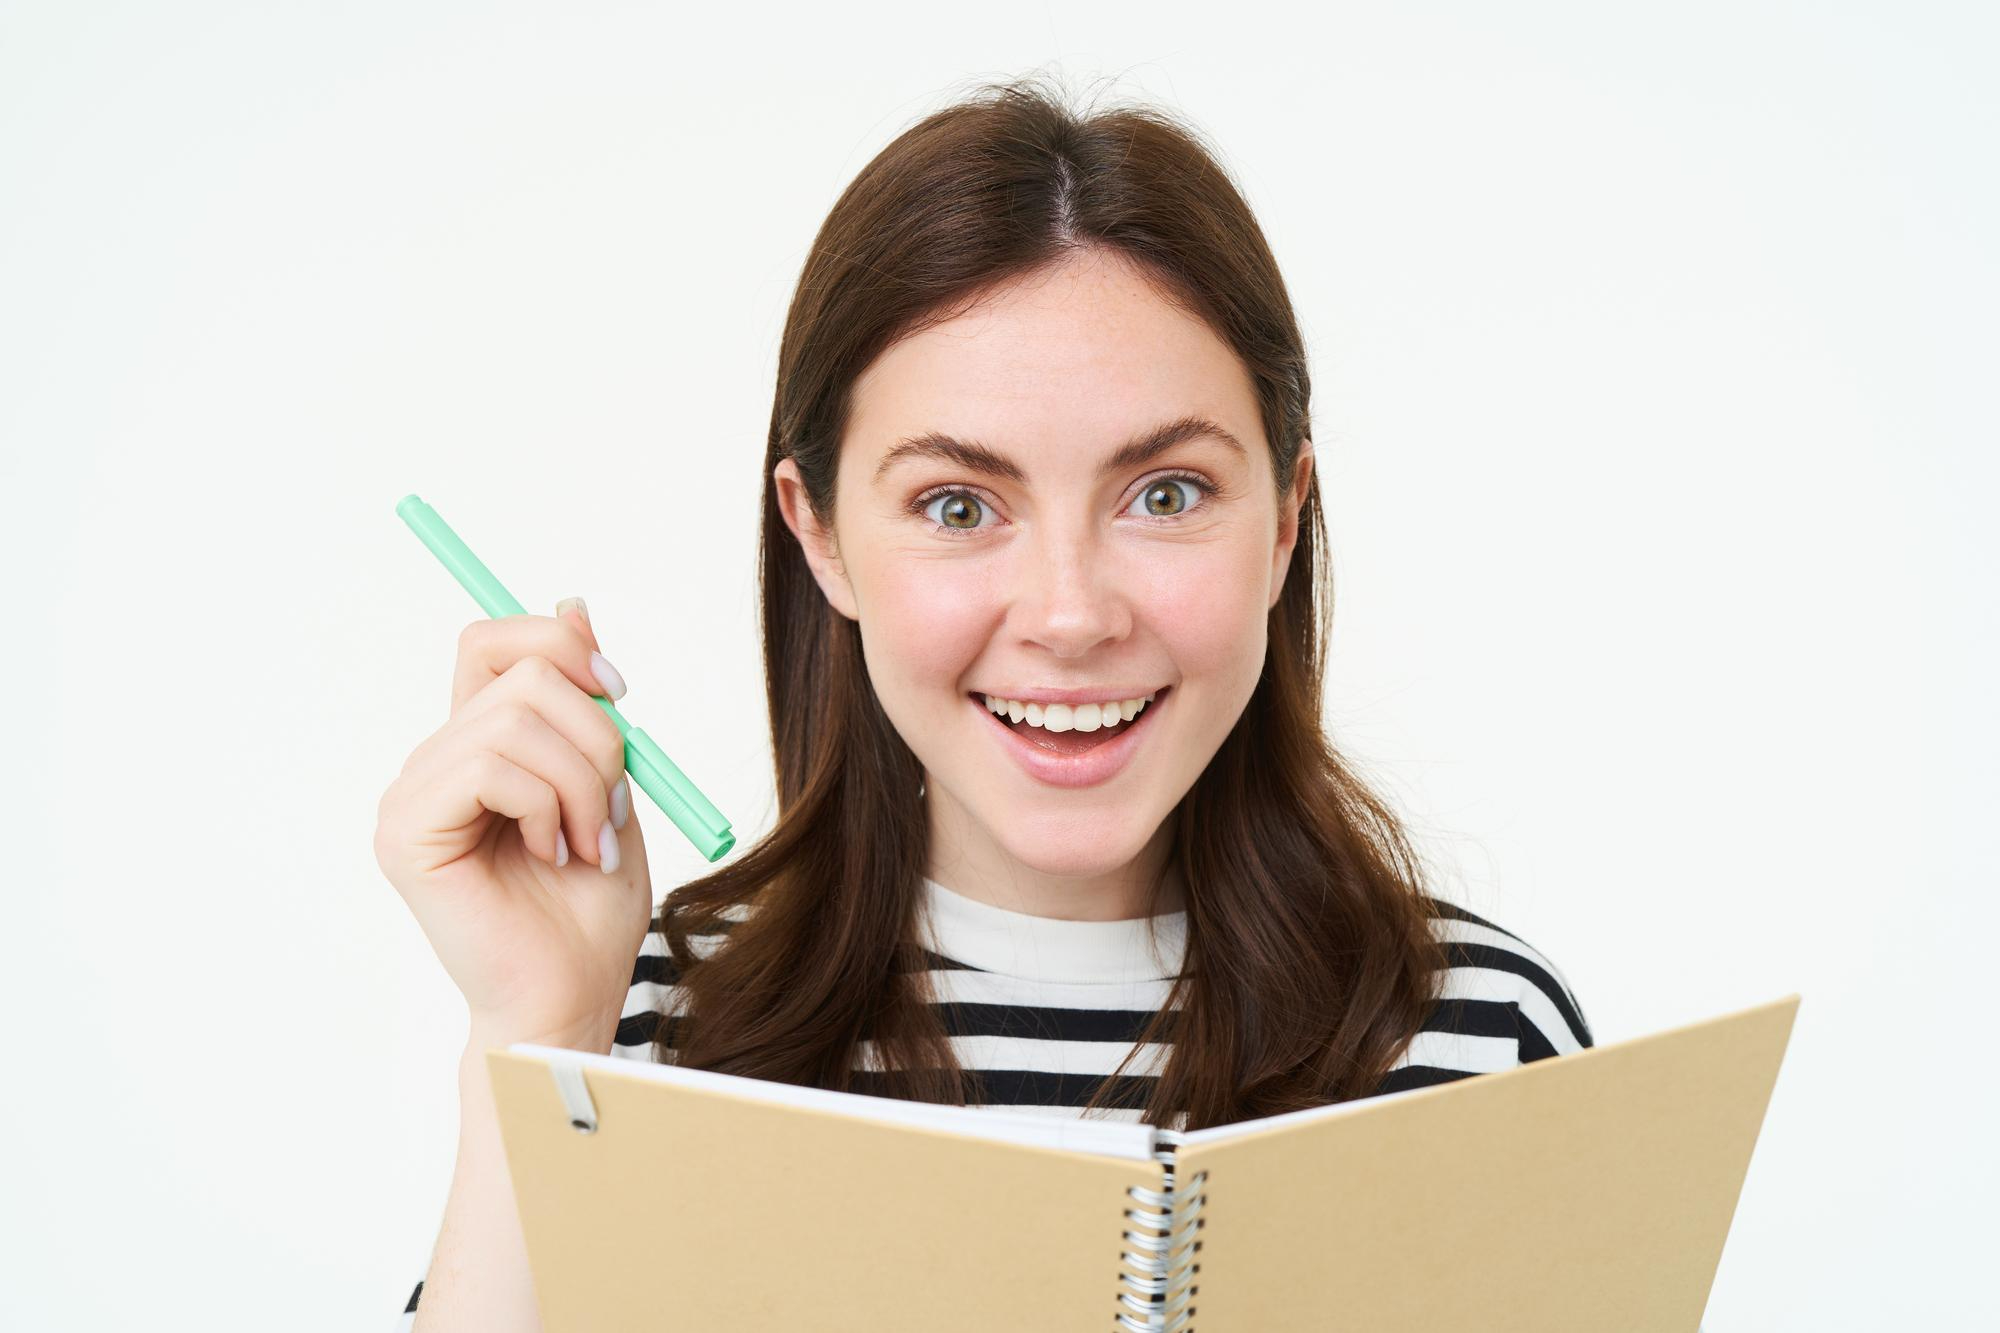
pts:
[1647, 343]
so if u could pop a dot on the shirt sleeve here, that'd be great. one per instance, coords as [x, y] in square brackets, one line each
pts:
[1548, 1019]
[653, 994]
[408, 1319]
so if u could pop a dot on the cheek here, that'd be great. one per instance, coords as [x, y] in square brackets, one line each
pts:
[926, 622]
[1205, 604]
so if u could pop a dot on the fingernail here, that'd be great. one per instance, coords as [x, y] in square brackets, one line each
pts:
[562, 849]
[577, 602]
[607, 676]
[607, 848]
[621, 802]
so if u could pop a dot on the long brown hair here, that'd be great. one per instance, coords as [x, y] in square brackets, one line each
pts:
[1310, 960]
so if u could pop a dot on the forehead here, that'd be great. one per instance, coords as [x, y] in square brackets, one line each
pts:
[1077, 354]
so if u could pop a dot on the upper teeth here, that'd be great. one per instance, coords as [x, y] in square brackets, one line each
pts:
[1063, 717]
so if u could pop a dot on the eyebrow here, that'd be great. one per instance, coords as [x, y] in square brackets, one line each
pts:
[971, 454]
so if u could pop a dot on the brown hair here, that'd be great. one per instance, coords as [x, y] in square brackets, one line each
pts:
[1310, 960]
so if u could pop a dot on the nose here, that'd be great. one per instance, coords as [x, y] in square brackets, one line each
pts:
[1072, 595]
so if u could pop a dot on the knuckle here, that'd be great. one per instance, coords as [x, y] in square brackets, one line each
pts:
[518, 717]
[482, 766]
[613, 754]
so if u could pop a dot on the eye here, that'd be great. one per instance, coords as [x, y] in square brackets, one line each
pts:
[1160, 490]
[960, 508]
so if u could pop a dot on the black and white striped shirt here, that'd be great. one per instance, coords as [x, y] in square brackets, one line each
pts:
[1041, 1010]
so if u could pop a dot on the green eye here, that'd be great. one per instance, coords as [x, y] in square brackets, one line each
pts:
[958, 510]
[1163, 490]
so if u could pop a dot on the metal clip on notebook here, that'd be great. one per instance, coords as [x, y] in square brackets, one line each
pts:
[575, 1095]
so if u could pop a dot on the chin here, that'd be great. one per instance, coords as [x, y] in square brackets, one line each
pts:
[1073, 848]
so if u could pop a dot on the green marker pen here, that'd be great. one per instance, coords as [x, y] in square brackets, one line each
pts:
[648, 764]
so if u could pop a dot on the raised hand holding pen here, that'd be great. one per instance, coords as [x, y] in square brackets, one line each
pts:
[509, 834]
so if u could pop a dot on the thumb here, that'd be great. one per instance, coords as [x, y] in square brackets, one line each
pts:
[580, 618]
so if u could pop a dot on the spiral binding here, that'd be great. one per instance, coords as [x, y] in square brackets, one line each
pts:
[1159, 1294]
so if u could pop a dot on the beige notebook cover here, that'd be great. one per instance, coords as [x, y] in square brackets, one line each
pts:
[1588, 1192]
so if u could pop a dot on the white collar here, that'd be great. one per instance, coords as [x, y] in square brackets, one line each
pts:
[1040, 948]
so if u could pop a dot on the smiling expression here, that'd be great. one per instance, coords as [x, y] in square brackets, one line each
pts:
[1064, 492]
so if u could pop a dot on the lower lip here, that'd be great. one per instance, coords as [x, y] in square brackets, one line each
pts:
[1075, 770]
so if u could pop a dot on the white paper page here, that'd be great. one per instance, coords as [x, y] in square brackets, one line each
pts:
[1289, 1118]
[1107, 1138]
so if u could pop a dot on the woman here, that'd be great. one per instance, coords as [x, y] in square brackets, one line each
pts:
[1044, 616]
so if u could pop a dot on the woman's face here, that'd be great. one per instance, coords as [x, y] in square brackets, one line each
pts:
[992, 538]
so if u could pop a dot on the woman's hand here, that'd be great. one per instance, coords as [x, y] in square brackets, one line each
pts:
[500, 833]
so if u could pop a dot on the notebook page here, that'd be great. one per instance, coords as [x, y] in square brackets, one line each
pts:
[1572, 1195]
[1220, 1133]
[1108, 1138]
[690, 1209]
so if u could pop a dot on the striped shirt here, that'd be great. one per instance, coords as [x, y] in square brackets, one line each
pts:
[1040, 1010]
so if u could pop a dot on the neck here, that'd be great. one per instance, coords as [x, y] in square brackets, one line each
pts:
[977, 867]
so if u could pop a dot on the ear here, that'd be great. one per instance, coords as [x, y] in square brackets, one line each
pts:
[1288, 520]
[821, 551]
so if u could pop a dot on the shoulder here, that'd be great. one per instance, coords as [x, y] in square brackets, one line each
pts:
[1486, 962]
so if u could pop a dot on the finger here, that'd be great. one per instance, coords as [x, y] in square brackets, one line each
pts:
[538, 682]
[533, 716]
[484, 780]
[564, 707]
[487, 648]
[581, 616]
[518, 733]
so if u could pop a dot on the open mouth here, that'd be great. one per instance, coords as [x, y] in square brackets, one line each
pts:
[1066, 743]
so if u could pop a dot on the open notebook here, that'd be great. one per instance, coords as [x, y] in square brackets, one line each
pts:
[1587, 1192]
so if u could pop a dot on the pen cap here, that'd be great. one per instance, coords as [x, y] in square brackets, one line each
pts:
[662, 780]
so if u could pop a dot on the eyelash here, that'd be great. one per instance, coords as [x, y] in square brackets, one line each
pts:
[1208, 489]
